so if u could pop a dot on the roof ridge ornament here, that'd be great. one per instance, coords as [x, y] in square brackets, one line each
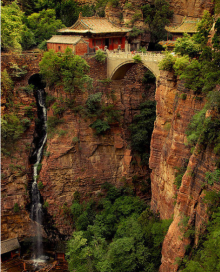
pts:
[80, 15]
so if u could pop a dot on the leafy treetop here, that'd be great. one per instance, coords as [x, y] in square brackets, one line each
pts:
[11, 27]
[157, 17]
[66, 69]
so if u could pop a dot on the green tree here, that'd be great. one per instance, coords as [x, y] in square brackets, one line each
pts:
[157, 16]
[167, 62]
[100, 56]
[68, 12]
[44, 24]
[100, 126]
[11, 27]
[187, 46]
[66, 69]
[29, 6]
[11, 129]
[27, 38]
[207, 256]
[141, 129]
[181, 64]
[120, 236]
[203, 28]
[93, 102]
[193, 76]
[6, 84]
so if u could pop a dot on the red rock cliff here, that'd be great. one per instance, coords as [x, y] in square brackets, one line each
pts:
[85, 164]
[70, 166]
[15, 170]
[169, 151]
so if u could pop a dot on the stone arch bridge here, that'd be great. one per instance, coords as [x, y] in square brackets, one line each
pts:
[119, 63]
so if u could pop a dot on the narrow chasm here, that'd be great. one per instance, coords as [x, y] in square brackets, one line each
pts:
[42, 221]
[40, 138]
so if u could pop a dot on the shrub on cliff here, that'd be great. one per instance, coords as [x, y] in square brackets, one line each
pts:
[100, 126]
[11, 129]
[141, 129]
[148, 80]
[93, 102]
[65, 69]
[16, 208]
[100, 56]
[180, 64]
[167, 62]
[187, 46]
[205, 130]
[193, 76]
[6, 84]
[52, 122]
[206, 256]
[137, 58]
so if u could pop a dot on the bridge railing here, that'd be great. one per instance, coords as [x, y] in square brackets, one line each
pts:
[149, 56]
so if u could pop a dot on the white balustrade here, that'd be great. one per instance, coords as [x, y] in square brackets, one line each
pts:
[148, 56]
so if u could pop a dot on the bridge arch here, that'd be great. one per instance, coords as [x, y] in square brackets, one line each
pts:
[118, 63]
[37, 81]
[120, 71]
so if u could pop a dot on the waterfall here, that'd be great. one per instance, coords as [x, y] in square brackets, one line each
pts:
[36, 205]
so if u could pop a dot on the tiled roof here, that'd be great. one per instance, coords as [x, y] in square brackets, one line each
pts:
[64, 39]
[187, 26]
[94, 25]
[9, 245]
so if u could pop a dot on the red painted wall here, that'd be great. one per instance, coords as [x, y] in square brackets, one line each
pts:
[113, 43]
[59, 47]
[81, 49]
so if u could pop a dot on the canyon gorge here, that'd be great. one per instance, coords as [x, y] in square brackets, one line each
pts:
[78, 161]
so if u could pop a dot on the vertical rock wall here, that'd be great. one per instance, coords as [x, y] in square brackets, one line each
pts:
[84, 165]
[169, 151]
[15, 170]
[192, 8]
[70, 166]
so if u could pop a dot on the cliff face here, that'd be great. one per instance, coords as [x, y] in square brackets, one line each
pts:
[81, 166]
[126, 10]
[15, 169]
[192, 8]
[168, 154]
[70, 165]
[168, 141]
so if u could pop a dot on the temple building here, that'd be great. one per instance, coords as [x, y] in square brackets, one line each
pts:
[89, 34]
[188, 26]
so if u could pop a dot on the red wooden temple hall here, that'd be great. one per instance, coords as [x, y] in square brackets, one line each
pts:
[94, 32]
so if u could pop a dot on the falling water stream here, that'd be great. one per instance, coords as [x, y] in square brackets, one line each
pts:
[36, 156]
[36, 207]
